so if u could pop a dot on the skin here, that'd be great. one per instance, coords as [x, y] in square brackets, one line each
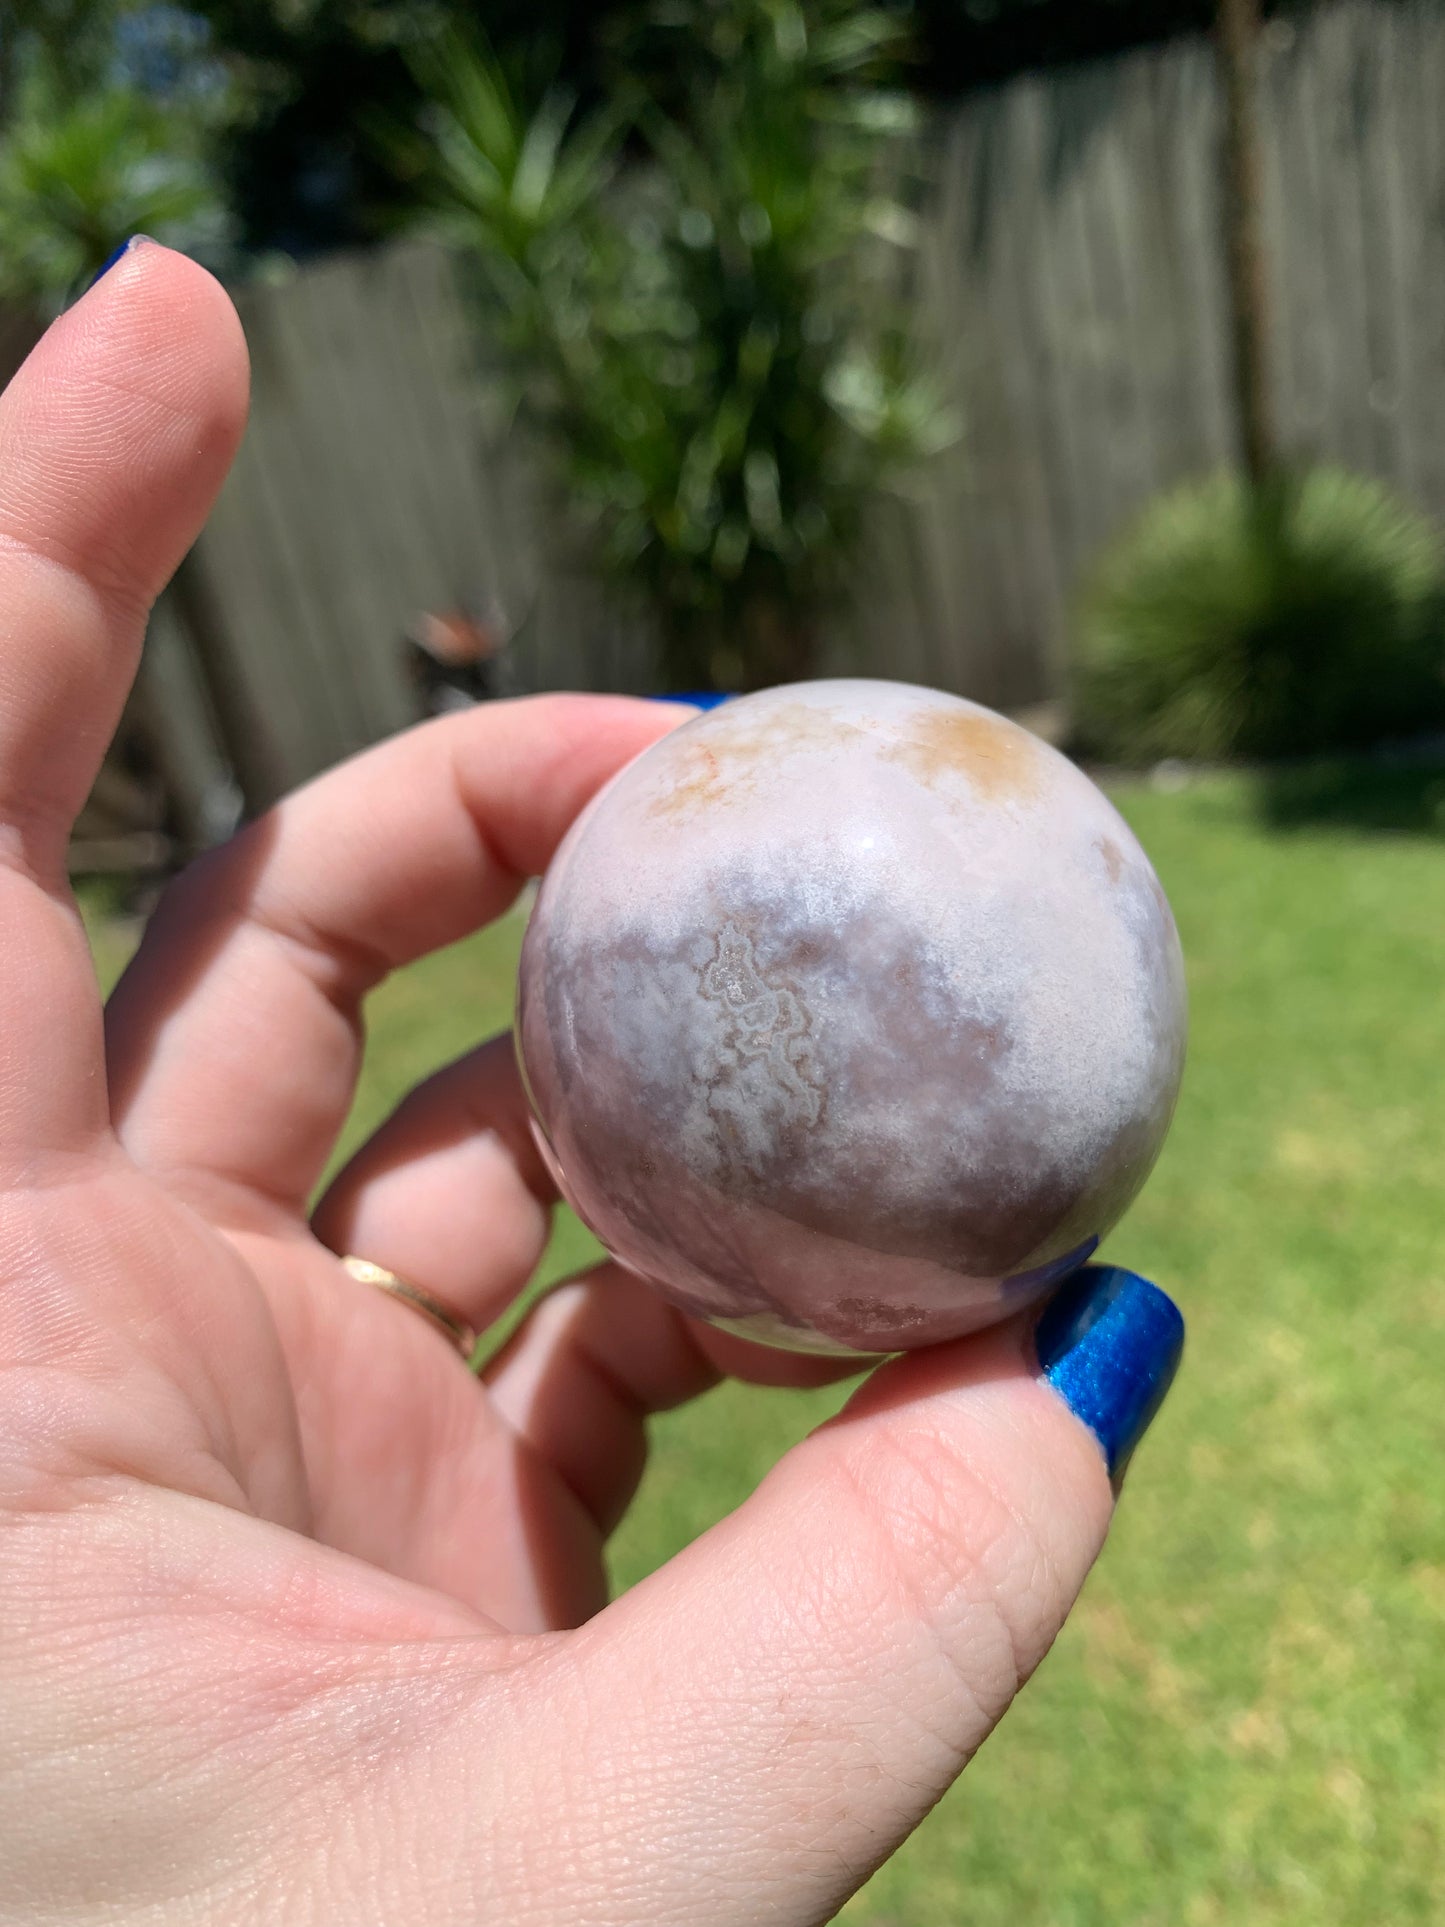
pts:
[853, 1015]
[298, 1620]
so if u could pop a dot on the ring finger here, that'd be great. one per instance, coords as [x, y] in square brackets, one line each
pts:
[450, 1193]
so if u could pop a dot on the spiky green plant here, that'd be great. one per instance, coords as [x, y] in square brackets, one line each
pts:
[80, 172]
[712, 342]
[1303, 616]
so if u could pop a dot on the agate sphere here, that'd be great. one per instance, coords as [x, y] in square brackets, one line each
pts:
[852, 1016]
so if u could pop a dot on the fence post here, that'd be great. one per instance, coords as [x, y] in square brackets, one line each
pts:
[242, 732]
[1238, 40]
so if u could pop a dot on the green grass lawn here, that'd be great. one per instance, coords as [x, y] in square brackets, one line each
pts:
[1243, 1723]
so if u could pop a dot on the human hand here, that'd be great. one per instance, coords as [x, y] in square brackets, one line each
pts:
[298, 1620]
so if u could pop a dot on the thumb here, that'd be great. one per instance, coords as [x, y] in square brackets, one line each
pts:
[766, 1718]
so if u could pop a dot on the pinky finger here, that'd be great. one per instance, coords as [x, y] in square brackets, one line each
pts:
[601, 1355]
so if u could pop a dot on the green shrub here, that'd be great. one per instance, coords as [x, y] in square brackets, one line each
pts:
[715, 347]
[1302, 617]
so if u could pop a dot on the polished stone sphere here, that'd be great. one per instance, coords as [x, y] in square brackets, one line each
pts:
[852, 1016]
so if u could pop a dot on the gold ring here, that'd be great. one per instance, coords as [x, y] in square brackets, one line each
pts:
[436, 1311]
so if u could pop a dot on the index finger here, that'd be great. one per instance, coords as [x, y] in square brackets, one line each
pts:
[235, 1037]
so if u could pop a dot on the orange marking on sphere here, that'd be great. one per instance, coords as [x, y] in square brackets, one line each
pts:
[1000, 760]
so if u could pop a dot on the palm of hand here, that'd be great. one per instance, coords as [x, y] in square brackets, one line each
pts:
[281, 1572]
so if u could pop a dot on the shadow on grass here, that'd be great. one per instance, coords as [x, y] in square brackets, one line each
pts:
[1356, 794]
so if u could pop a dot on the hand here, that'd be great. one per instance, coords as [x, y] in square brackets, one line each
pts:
[285, 1592]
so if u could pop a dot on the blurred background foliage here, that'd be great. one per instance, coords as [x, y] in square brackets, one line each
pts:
[112, 122]
[718, 359]
[1300, 616]
[692, 225]
[299, 170]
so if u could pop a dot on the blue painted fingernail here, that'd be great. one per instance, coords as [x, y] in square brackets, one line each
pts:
[700, 698]
[111, 259]
[1110, 1344]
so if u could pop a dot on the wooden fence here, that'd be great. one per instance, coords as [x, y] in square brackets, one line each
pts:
[1074, 276]
[1076, 262]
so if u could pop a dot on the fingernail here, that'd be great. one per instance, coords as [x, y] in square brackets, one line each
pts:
[135, 241]
[700, 698]
[1109, 1343]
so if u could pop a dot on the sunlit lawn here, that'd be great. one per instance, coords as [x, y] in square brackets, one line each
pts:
[1245, 1722]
